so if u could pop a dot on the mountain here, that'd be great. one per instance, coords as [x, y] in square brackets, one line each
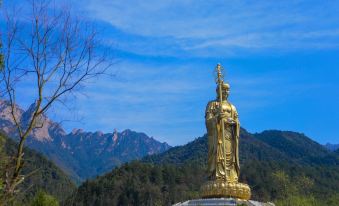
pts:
[268, 145]
[331, 147]
[80, 154]
[46, 175]
[281, 166]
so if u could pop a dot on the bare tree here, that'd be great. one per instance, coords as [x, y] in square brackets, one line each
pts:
[55, 52]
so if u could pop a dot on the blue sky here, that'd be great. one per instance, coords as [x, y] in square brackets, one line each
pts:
[281, 59]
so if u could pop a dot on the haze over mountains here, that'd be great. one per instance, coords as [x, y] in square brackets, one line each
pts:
[81, 154]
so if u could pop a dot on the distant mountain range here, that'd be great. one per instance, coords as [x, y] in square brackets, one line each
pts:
[81, 154]
[277, 165]
[332, 147]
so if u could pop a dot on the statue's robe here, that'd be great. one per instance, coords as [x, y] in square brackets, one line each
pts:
[223, 152]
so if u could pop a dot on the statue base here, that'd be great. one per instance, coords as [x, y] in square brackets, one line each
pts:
[222, 202]
[220, 188]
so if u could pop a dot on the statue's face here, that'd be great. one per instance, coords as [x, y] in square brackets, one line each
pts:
[225, 93]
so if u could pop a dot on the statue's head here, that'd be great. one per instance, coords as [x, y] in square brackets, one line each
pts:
[225, 89]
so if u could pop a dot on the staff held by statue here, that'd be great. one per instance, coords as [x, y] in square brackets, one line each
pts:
[220, 82]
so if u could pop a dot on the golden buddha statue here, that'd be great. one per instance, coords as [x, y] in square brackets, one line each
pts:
[223, 129]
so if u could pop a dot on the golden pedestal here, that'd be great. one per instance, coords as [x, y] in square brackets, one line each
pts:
[221, 188]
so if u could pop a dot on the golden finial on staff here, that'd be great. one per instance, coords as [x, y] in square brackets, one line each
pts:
[219, 79]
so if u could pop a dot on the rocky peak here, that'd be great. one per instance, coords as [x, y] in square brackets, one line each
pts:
[126, 132]
[83, 154]
[99, 133]
[77, 131]
[115, 137]
[27, 115]
[5, 112]
[43, 125]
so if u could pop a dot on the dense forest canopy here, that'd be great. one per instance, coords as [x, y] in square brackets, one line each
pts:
[285, 167]
[42, 174]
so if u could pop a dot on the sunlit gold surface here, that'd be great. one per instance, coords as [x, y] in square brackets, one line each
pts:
[221, 188]
[223, 129]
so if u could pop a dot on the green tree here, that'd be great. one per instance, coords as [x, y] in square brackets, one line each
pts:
[333, 200]
[293, 191]
[297, 200]
[44, 199]
[284, 187]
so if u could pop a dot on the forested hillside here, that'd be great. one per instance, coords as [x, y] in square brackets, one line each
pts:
[43, 174]
[284, 167]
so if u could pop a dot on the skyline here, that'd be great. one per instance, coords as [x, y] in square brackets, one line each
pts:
[281, 60]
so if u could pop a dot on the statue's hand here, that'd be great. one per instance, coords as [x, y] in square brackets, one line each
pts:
[231, 121]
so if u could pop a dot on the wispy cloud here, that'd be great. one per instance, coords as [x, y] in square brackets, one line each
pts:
[203, 28]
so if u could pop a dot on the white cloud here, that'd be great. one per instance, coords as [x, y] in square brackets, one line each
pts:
[217, 27]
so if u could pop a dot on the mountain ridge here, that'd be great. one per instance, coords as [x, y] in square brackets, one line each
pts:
[331, 147]
[266, 165]
[79, 153]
